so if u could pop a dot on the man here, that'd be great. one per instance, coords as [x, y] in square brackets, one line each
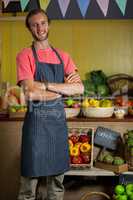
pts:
[46, 74]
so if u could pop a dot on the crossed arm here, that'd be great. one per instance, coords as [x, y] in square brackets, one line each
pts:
[37, 90]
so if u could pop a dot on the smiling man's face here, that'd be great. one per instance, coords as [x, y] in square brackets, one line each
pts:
[39, 26]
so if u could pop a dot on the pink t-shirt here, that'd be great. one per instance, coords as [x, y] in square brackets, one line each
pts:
[26, 63]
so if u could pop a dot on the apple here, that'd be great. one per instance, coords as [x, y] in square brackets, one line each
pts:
[130, 197]
[121, 197]
[119, 189]
[69, 102]
[129, 189]
[76, 105]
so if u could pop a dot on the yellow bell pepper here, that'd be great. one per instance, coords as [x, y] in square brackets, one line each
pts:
[85, 147]
[74, 151]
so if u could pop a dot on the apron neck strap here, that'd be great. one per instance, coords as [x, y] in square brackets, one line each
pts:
[34, 53]
[58, 55]
[36, 57]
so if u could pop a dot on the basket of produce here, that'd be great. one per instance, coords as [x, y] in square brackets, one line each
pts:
[72, 112]
[123, 103]
[97, 108]
[95, 195]
[130, 110]
[128, 137]
[16, 102]
[121, 84]
[72, 107]
[17, 111]
[109, 161]
[81, 147]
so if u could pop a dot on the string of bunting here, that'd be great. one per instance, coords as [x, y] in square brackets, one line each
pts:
[82, 4]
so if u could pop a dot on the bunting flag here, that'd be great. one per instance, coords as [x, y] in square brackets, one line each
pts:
[122, 5]
[63, 6]
[83, 5]
[6, 2]
[44, 4]
[23, 4]
[103, 4]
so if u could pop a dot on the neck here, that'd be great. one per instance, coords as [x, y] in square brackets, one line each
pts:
[41, 44]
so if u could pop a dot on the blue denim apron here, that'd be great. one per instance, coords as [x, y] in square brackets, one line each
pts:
[44, 135]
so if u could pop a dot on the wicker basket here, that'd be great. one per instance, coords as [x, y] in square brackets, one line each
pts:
[120, 84]
[95, 195]
[99, 112]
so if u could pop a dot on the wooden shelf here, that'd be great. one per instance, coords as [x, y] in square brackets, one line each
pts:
[93, 172]
[89, 172]
[78, 119]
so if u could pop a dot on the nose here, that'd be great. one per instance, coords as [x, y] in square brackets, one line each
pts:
[39, 27]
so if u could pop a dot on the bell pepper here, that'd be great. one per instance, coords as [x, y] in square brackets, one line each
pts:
[70, 143]
[84, 138]
[74, 151]
[74, 138]
[85, 147]
[76, 160]
[78, 144]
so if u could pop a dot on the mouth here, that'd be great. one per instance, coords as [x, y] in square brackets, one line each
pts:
[41, 33]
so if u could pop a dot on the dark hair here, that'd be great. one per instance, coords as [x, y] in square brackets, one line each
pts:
[32, 13]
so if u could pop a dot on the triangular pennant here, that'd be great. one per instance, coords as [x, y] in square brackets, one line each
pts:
[63, 6]
[6, 2]
[23, 4]
[103, 4]
[83, 5]
[44, 4]
[122, 5]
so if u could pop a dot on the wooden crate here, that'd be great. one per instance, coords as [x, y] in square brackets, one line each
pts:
[114, 168]
[90, 164]
[17, 114]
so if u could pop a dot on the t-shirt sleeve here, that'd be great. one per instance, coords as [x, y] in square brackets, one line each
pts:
[24, 69]
[69, 65]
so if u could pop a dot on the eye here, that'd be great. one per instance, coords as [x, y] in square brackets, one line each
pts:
[33, 25]
[44, 23]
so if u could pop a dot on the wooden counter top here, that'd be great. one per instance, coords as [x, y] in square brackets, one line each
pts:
[77, 119]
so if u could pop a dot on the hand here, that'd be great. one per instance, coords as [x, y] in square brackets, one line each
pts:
[73, 78]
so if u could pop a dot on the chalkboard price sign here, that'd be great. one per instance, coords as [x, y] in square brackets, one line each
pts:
[125, 179]
[106, 138]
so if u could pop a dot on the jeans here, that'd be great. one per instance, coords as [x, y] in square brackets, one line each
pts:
[55, 188]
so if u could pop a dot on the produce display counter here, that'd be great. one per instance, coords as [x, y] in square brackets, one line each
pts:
[10, 143]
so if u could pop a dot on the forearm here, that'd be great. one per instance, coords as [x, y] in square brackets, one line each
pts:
[66, 88]
[42, 96]
[61, 88]
[36, 91]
